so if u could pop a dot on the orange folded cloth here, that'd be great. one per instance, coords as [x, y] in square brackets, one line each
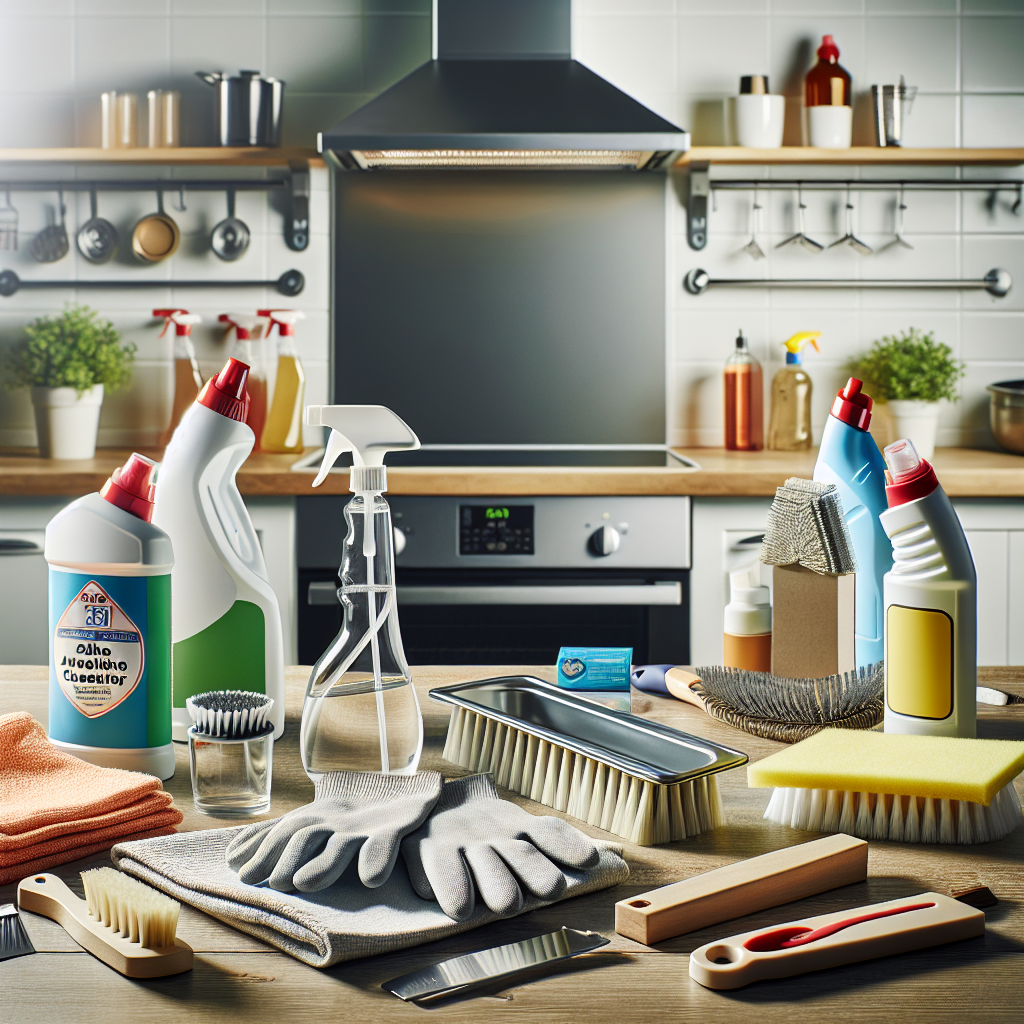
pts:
[55, 808]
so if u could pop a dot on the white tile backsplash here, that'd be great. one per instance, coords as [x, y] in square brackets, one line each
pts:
[992, 49]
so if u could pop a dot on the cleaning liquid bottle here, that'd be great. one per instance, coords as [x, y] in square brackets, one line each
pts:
[931, 608]
[250, 349]
[188, 381]
[747, 639]
[283, 430]
[849, 458]
[361, 711]
[790, 426]
[110, 627]
[226, 619]
[744, 400]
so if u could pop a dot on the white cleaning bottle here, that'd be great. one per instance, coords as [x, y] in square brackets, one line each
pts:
[226, 622]
[747, 637]
[931, 608]
[361, 711]
[110, 627]
[251, 349]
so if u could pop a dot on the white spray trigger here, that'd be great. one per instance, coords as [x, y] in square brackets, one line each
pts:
[369, 432]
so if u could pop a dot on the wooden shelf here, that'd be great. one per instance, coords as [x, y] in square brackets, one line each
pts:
[866, 155]
[233, 156]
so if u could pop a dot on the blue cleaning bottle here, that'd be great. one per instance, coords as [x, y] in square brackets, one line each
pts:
[850, 459]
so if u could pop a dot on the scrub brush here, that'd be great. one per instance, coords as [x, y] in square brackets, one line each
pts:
[14, 940]
[806, 527]
[125, 923]
[232, 714]
[910, 789]
[782, 709]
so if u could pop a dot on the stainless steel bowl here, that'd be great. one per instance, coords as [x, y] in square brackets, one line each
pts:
[1006, 414]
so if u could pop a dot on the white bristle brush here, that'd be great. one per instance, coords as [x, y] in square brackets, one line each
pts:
[640, 811]
[123, 922]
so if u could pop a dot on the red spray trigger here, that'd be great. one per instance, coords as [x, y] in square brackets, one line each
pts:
[129, 487]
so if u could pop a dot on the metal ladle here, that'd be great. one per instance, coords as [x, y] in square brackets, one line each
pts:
[850, 238]
[801, 234]
[97, 238]
[51, 244]
[230, 237]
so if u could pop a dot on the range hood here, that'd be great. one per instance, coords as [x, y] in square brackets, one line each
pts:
[504, 92]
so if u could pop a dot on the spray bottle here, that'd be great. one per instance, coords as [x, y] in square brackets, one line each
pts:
[226, 619]
[110, 627]
[250, 350]
[931, 609]
[790, 426]
[850, 459]
[283, 431]
[188, 381]
[361, 711]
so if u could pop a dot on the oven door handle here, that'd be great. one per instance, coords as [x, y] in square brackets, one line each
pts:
[661, 593]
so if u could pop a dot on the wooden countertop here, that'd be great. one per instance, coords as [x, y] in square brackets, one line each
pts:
[963, 472]
[237, 977]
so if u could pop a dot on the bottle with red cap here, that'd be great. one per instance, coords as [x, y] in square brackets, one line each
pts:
[283, 429]
[931, 605]
[827, 100]
[187, 379]
[110, 626]
[849, 458]
[226, 618]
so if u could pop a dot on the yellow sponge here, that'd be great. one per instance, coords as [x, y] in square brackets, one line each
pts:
[942, 767]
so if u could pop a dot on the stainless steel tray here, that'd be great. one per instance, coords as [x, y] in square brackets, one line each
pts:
[650, 751]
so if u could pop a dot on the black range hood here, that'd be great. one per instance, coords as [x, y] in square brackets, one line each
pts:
[503, 92]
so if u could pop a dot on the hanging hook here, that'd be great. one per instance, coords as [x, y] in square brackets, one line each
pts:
[1013, 209]
[180, 204]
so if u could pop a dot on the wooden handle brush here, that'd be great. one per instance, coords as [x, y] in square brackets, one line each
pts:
[122, 922]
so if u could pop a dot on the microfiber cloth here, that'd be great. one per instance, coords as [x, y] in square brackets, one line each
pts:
[55, 808]
[343, 922]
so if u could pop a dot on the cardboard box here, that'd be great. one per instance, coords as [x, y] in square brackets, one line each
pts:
[812, 623]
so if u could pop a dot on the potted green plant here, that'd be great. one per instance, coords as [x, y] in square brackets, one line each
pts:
[911, 373]
[68, 360]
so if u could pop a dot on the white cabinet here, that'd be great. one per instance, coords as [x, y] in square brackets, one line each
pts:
[995, 533]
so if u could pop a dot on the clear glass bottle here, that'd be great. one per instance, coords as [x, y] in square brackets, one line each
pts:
[790, 427]
[744, 400]
[361, 711]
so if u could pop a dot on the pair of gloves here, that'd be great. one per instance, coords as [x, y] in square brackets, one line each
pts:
[458, 839]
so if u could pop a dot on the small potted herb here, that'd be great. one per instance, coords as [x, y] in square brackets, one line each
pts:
[68, 361]
[911, 373]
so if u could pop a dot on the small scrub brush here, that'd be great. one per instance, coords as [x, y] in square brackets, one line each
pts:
[910, 789]
[125, 923]
[232, 714]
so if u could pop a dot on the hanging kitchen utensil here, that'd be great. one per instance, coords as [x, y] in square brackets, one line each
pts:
[850, 238]
[752, 248]
[51, 244]
[97, 238]
[801, 234]
[898, 239]
[156, 236]
[248, 108]
[230, 237]
[8, 224]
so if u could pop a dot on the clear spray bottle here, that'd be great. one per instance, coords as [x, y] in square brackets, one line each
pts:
[361, 711]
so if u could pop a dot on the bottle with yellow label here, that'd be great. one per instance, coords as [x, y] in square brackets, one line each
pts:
[931, 607]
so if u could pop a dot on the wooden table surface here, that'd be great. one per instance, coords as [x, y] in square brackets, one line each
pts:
[238, 978]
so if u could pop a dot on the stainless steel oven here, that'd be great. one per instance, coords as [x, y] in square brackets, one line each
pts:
[503, 580]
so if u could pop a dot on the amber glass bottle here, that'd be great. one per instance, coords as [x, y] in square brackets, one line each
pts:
[827, 83]
[744, 405]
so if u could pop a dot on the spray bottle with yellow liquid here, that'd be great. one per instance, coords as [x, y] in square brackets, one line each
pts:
[283, 429]
[790, 427]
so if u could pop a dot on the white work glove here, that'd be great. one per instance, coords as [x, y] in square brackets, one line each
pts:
[353, 812]
[474, 842]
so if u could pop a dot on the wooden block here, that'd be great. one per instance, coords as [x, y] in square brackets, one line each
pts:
[812, 623]
[743, 888]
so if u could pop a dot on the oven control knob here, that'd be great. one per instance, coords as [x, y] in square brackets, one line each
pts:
[399, 540]
[605, 541]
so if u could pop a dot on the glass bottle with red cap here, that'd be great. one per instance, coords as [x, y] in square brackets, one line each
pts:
[827, 99]
[849, 458]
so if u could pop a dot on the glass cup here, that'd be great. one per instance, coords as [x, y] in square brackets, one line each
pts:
[231, 777]
[119, 120]
[164, 118]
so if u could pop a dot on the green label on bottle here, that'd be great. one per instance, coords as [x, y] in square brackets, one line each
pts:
[230, 654]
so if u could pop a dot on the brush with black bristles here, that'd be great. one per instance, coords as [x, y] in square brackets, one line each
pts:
[14, 940]
[230, 714]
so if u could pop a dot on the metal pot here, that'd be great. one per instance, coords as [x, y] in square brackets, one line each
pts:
[248, 108]
[1006, 414]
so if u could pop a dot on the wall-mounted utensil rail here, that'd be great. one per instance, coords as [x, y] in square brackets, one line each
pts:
[290, 283]
[296, 231]
[995, 282]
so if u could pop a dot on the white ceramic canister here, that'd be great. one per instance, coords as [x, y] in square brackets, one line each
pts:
[760, 117]
[830, 127]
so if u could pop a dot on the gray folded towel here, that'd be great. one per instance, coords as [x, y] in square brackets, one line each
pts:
[343, 922]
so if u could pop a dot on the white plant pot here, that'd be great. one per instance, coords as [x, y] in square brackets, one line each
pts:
[916, 420]
[67, 422]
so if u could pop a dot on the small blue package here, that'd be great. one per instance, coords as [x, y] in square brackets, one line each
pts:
[595, 668]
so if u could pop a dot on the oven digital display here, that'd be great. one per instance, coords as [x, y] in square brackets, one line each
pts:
[495, 529]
